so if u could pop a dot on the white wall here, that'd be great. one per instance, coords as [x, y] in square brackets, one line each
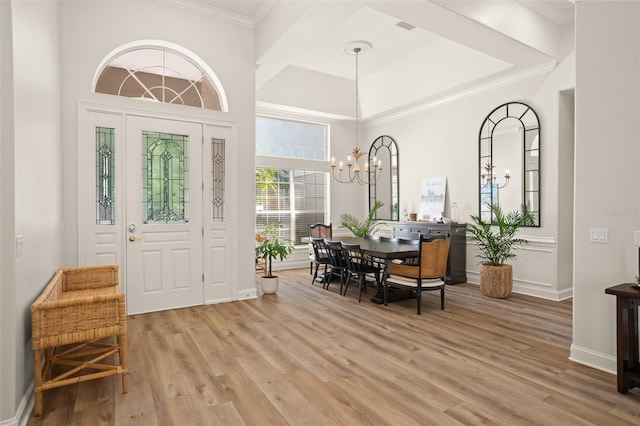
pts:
[606, 169]
[36, 175]
[8, 316]
[442, 140]
[226, 47]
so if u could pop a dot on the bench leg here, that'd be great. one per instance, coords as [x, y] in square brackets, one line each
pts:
[37, 378]
[122, 343]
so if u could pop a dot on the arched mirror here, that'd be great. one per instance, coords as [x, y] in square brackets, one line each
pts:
[510, 160]
[385, 189]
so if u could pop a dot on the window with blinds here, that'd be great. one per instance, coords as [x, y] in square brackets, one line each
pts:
[293, 196]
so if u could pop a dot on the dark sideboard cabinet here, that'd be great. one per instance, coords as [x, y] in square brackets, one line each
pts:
[457, 263]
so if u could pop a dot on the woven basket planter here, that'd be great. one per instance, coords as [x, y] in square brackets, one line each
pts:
[496, 281]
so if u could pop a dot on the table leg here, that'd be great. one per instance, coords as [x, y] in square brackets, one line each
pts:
[621, 327]
[626, 342]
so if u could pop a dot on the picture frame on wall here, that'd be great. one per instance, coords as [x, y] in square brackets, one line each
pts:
[432, 197]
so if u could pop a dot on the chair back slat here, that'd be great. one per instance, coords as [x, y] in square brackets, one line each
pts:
[334, 248]
[319, 248]
[354, 256]
[320, 230]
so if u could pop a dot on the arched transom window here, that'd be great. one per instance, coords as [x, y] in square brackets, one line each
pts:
[160, 74]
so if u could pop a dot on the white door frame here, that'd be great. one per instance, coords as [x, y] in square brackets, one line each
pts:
[98, 245]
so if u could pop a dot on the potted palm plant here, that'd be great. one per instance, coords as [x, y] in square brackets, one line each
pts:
[497, 242]
[269, 249]
[361, 229]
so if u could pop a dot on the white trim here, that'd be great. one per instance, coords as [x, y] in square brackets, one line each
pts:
[24, 409]
[594, 359]
[504, 81]
[289, 112]
[211, 11]
[172, 47]
[128, 106]
[529, 288]
[122, 108]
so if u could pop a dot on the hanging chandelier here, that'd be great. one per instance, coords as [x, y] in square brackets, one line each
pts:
[354, 173]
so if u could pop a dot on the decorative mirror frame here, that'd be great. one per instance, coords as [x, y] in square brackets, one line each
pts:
[392, 178]
[531, 145]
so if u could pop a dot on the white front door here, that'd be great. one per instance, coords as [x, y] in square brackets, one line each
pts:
[164, 235]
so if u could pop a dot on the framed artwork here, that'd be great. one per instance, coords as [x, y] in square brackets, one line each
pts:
[432, 195]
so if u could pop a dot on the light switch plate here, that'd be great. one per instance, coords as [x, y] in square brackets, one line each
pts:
[636, 238]
[599, 235]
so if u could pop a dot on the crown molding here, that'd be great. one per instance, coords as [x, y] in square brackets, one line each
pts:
[214, 12]
[267, 108]
[500, 82]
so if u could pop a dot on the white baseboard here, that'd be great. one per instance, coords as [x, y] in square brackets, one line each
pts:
[594, 359]
[251, 293]
[24, 409]
[529, 288]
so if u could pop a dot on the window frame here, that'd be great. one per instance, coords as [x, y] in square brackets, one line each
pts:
[298, 164]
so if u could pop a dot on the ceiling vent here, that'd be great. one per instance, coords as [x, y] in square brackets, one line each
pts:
[407, 26]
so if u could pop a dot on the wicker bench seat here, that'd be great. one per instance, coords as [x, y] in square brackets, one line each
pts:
[70, 321]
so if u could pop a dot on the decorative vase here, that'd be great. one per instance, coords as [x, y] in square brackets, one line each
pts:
[496, 281]
[269, 284]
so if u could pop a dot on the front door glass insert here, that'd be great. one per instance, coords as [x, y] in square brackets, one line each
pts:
[165, 183]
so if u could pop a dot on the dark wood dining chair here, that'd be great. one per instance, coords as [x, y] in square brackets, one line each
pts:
[427, 275]
[318, 230]
[359, 265]
[321, 257]
[338, 263]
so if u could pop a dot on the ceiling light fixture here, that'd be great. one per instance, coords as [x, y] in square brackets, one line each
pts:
[371, 174]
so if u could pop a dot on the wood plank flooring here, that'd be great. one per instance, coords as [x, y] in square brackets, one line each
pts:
[308, 356]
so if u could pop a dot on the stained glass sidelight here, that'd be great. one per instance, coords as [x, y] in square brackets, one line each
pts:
[217, 159]
[105, 205]
[165, 178]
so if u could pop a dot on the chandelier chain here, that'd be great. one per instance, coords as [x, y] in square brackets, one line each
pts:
[371, 172]
[357, 51]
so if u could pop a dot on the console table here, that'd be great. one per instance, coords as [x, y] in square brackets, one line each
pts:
[627, 301]
[457, 262]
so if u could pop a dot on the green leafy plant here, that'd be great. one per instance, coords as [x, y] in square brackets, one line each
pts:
[272, 248]
[360, 229]
[497, 240]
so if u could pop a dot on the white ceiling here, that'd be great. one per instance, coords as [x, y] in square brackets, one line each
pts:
[455, 46]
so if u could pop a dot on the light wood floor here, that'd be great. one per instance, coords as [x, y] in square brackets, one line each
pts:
[307, 356]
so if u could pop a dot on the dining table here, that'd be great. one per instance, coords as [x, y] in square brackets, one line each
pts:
[385, 251]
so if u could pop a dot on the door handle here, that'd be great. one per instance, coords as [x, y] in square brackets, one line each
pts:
[133, 238]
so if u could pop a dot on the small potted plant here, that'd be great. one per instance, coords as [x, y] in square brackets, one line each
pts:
[271, 248]
[497, 243]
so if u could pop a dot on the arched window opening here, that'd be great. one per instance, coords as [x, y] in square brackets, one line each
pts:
[160, 74]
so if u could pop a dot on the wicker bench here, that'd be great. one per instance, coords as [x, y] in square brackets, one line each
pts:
[70, 321]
